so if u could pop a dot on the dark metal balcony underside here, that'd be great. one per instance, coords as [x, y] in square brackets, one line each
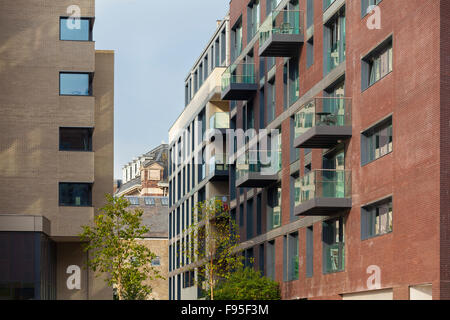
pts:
[323, 137]
[322, 206]
[256, 180]
[219, 175]
[282, 45]
[239, 91]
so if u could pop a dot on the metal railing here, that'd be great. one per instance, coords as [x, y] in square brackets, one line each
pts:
[324, 111]
[239, 73]
[326, 184]
[281, 22]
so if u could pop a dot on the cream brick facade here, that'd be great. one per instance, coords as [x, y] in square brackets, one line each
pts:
[31, 113]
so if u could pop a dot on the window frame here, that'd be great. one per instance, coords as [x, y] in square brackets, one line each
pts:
[91, 28]
[91, 139]
[91, 84]
[387, 45]
[366, 145]
[89, 184]
[365, 5]
[367, 212]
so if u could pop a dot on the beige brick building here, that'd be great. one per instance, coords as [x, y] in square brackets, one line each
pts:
[56, 147]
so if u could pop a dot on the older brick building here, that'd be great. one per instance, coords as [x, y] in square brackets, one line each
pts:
[355, 204]
[146, 175]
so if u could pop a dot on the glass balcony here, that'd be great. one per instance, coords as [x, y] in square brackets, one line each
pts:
[257, 173]
[239, 82]
[325, 191]
[218, 168]
[220, 120]
[281, 34]
[322, 123]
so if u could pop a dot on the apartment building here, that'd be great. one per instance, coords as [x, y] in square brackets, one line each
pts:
[146, 175]
[198, 169]
[56, 147]
[354, 203]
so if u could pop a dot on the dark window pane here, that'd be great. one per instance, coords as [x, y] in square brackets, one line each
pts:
[75, 194]
[75, 139]
[74, 84]
[75, 29]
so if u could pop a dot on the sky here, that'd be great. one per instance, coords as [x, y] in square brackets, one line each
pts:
[156, 43]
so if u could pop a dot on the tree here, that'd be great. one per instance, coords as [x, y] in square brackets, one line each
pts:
[213, 243]
[116, 252]
[247, 284]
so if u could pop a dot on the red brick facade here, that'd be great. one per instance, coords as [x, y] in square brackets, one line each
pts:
[415, 174]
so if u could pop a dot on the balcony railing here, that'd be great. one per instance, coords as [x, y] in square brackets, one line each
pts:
[257, 173]
[239, 82]
[220, 120]
[323, 191]
[218, 167]
[281, 34]
[323, 122]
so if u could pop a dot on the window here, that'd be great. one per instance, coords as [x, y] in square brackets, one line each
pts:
[309, 252]
[241, 215]
[165, 201]
[249, 225]
[376, 142]
[261, 259]
[270, 265]
[366, 4]
[249, 258]
[334, 41]
[134, 201]
[75, 194]
[376, 219]
[310, 52]
[271, 99]
[258, 215]
[236, 40]
[75, 29]
[291, 82]
[377, 64]
[294, 195]
[333, 245]
[327, 3]
[216, 51]
[253, 16]
[290, 257]
[156, 261]
[223, 48]
[309, 13]
[274, 208]
[271, 5]
[75, 84]
[75, 139]
[262, 108]
[149, 201]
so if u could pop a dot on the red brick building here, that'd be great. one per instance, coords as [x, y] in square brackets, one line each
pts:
[359, 207]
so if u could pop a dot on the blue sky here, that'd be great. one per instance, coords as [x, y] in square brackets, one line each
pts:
[156, 44]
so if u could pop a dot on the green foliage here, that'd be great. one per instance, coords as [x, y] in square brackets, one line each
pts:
[114, 250]
[213, 244]
[247, 284]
